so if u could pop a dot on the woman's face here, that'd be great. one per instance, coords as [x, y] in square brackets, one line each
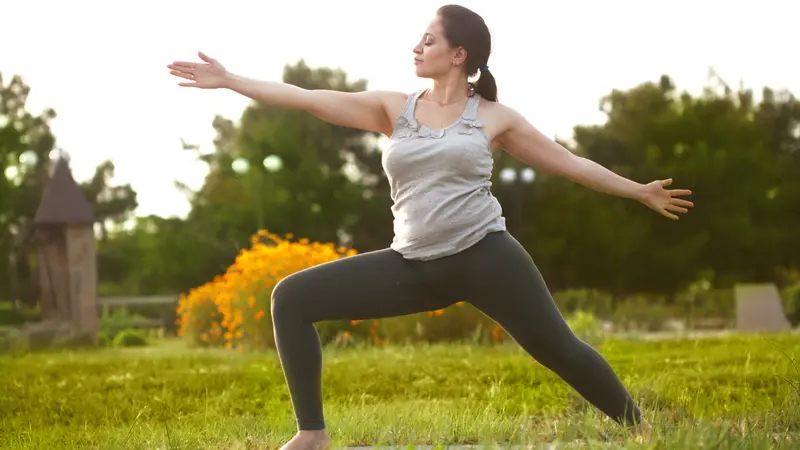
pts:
[433, 56]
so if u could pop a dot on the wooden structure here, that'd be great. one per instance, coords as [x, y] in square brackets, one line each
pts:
[66, 259]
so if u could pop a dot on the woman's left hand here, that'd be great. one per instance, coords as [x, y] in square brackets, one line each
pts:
[663, 200]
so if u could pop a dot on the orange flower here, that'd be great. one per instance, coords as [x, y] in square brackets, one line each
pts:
[217, 308]
[497, 333]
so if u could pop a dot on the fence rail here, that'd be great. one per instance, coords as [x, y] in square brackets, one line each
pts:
[142, 300]
[138, 300]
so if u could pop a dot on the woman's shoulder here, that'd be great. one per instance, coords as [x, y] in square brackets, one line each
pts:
[498, 113]
[395, 101]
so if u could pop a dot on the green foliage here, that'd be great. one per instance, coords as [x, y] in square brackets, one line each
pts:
[11, 315]
[160, 256]
[460, 323]
[591, 301]
[130, 338]
[330, 182]
[26, 146]
[791, 303]
[739, 152]
[587, 327]
[740, 159]
[725, 393]
[113, 204]
[117, 328]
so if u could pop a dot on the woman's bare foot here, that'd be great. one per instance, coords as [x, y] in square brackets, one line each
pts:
[642, 432]
[308, 440]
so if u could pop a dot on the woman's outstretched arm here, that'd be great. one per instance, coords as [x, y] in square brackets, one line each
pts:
[362, 110]
[523, 141]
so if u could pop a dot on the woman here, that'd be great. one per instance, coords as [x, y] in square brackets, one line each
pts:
[450, 241]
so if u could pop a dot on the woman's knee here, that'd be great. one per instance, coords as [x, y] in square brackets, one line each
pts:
[285, 297]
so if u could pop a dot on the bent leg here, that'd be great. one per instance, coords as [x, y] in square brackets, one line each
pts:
[513, 293]
[366, 286]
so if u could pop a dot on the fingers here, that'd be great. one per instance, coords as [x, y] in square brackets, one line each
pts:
[682, 202]
[183, 65]
[669, 215]
[186, 75]
[666, 182]
[205, 57]
[677, 208]
[680, 192]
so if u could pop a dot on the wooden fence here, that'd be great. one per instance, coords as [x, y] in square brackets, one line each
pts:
[145, 300]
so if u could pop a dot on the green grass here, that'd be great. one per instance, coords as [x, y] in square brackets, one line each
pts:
[739, 392]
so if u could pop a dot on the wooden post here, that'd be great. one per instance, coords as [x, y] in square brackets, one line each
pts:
[66, 259]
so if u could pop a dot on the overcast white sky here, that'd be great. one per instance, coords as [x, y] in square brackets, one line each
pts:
[101, 65]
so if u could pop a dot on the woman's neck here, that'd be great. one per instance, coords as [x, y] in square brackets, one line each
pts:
[449, 90]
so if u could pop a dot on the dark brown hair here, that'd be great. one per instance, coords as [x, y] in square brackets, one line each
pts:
[465, 28]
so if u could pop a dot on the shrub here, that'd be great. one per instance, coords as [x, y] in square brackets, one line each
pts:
[234, 309]
[130, 338]
[643, 313]
[586, 326]
[599, 303]
[790, 295]
[113, 322]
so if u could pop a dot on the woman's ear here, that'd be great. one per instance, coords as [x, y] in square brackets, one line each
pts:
[460, 57]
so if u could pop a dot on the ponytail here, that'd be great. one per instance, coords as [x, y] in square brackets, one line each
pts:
[464, 28]
[486, 86]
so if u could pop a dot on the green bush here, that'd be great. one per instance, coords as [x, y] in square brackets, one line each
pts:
[9, 315]
[130, 338]
[644, 313]
[115, 322]
[790, 296]
[587, 326]
[596, 302]
[461, 322]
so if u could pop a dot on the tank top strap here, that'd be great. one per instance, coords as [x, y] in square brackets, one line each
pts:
[471, 110]
[411, 103]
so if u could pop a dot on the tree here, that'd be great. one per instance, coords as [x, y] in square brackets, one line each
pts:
[721, 144]
[26, 146]
[330, 184]
[158, 256]
[114, 204]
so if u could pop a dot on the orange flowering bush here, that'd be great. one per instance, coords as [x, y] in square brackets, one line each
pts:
[233, 310]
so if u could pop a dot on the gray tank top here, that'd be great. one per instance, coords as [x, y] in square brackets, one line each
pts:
[439, 181]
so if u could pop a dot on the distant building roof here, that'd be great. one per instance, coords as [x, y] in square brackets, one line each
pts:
[63, 202]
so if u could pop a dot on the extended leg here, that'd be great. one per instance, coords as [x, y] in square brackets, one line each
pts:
[512, 292]
[370, 285]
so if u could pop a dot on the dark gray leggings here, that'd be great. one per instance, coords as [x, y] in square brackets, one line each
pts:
[497, 276]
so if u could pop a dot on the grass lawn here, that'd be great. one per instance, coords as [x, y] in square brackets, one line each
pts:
[737, 392]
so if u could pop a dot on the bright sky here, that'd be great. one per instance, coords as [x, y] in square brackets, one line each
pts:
[101, 65]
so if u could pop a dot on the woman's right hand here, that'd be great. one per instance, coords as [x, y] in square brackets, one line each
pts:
[211, 75]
